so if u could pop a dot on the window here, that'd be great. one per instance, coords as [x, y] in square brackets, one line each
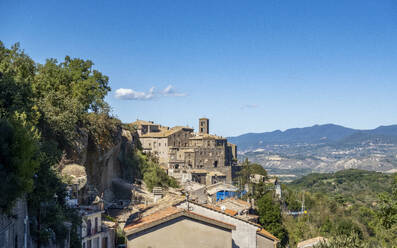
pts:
[89, 226]
[105, 242]
[215, 164]
[96, 224]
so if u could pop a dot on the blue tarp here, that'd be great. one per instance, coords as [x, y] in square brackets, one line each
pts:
[222, 195]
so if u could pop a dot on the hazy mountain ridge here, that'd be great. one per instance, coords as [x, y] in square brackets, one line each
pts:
[321, 148]
[318, 134]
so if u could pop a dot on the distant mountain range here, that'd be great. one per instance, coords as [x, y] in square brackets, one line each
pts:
[330, 134]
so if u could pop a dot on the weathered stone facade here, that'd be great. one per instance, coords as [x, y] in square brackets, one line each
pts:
[180, 150]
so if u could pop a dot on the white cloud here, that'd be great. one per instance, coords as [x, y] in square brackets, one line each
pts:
[170, 91]
[130, 94]
[250, 106]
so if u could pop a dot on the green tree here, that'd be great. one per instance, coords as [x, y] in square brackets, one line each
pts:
[47, 206]
[270, 217]
[247, 169]
[18, 161]
[387, 211]
[65, 92]
[17, 71]
[351, 240]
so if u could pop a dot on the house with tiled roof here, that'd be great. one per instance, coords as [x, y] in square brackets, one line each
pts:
[173, 227]
[247, 234]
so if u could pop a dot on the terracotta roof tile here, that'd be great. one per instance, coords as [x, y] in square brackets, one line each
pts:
[170, 213]
[260, 231]
[153, 217]
[227, 211]
[231, 212]
[267, 234]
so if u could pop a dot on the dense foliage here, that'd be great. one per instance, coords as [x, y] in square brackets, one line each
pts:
[18, 162]
[352, 208]
[44, 109]
[41, 107]
[270, 218]
[347, 186]
[248, 169]
[355, 207]
[153, 175]
[268, 207]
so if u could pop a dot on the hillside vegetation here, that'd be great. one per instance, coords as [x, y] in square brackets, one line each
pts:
[355, 206]
[52, 114]
[346, 186]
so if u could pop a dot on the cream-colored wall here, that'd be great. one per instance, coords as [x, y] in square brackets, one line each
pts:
[181, 232]
[157, 146]
[262, 242]
[245, 234]
[91, 217]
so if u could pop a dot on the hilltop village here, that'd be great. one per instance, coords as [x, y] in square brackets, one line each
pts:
[117, 209]
[206, 208]
[188, 156]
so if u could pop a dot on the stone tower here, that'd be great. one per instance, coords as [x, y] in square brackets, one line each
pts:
[204, 126]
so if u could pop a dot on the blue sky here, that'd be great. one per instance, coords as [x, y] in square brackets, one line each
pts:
[249, 66]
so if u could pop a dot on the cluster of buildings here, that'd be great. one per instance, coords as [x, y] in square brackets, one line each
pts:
[188, 156]
[210, 214]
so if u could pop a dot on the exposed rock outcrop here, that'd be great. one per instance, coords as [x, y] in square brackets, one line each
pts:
[102, 162]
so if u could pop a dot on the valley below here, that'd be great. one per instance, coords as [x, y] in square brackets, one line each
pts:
[326, 148]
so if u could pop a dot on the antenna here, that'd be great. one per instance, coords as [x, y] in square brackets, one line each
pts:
[187, 200]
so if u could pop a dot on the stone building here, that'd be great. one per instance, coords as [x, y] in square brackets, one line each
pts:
[94, 233]
[182, 151]
[246, 234]
[174, 227]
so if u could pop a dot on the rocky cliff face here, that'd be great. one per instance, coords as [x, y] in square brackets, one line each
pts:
[102, 161]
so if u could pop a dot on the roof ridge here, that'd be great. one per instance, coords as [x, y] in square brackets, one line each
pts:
[269, 235]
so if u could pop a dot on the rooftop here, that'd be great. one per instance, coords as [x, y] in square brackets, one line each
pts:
[142, 122]
[167, 214]
[165, 132]
[206, 136]
[266, 234]
[235, 204]
[212, 189]
[311, 242]
[260, 231]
